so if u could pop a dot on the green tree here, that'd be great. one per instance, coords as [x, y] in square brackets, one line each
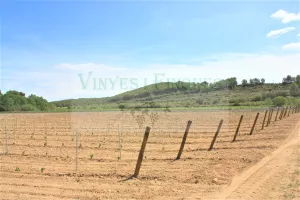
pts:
[17, 101]
[13, 100]
[38, 102]
[8, 103]
[244, 82]
[256, 81]
[297, 81]
[279, 101]
[262, 81]
[231, 82]
[288, 79]
[294, 90]
[251, 81]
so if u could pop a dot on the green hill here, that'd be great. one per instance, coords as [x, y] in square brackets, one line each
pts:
[191, 95]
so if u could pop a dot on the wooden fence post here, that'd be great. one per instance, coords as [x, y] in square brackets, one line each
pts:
[76, 151]
[263, 124]
[120, 147]
[238, 128]
[281, 113]
[270, 117]
[141, 154]
[285, 112]
[184, 139]
[277, 114]
[293, 108]
[216, 135]
[251, 132]
[6, 139]
[289, 111]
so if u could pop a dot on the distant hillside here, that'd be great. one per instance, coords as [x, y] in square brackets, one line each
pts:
[182, 94]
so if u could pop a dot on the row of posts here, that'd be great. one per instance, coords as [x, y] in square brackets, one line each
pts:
[280, 114]
[283, 113]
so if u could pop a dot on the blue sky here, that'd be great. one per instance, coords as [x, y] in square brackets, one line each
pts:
[46, 44]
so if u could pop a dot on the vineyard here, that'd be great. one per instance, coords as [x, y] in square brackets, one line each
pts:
[94, 155]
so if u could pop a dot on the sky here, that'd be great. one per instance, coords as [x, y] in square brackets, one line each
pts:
[79, 49]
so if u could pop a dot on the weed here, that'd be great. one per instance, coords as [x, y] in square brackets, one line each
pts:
[17, 169]
[289, 196]
[42, 169]
[92, 156]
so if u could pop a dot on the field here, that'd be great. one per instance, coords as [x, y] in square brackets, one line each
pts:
[38, 153]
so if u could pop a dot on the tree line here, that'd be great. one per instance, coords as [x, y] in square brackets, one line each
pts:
[253, 82]
[17, 101]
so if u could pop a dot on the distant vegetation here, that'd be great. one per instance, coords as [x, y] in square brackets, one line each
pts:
[17, 101]
[167, 95]
[227, 92]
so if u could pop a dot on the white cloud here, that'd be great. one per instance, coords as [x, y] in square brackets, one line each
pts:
[279, 14]
[292, 46]
[279, 32]
[59, 83]
[285, 16]
[298, 34]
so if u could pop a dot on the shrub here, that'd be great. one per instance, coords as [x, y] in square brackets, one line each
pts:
[187, 104]
[28, 107]
[279, 101]
[121, 107]
[236, 104]
[268, 101]
[257, 98]
[294, 90]
[199, 101]
[2, 108]
[281, 93]
[236, 101]
[216, 101]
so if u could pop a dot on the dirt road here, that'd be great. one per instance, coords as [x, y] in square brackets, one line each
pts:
[275, 177]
